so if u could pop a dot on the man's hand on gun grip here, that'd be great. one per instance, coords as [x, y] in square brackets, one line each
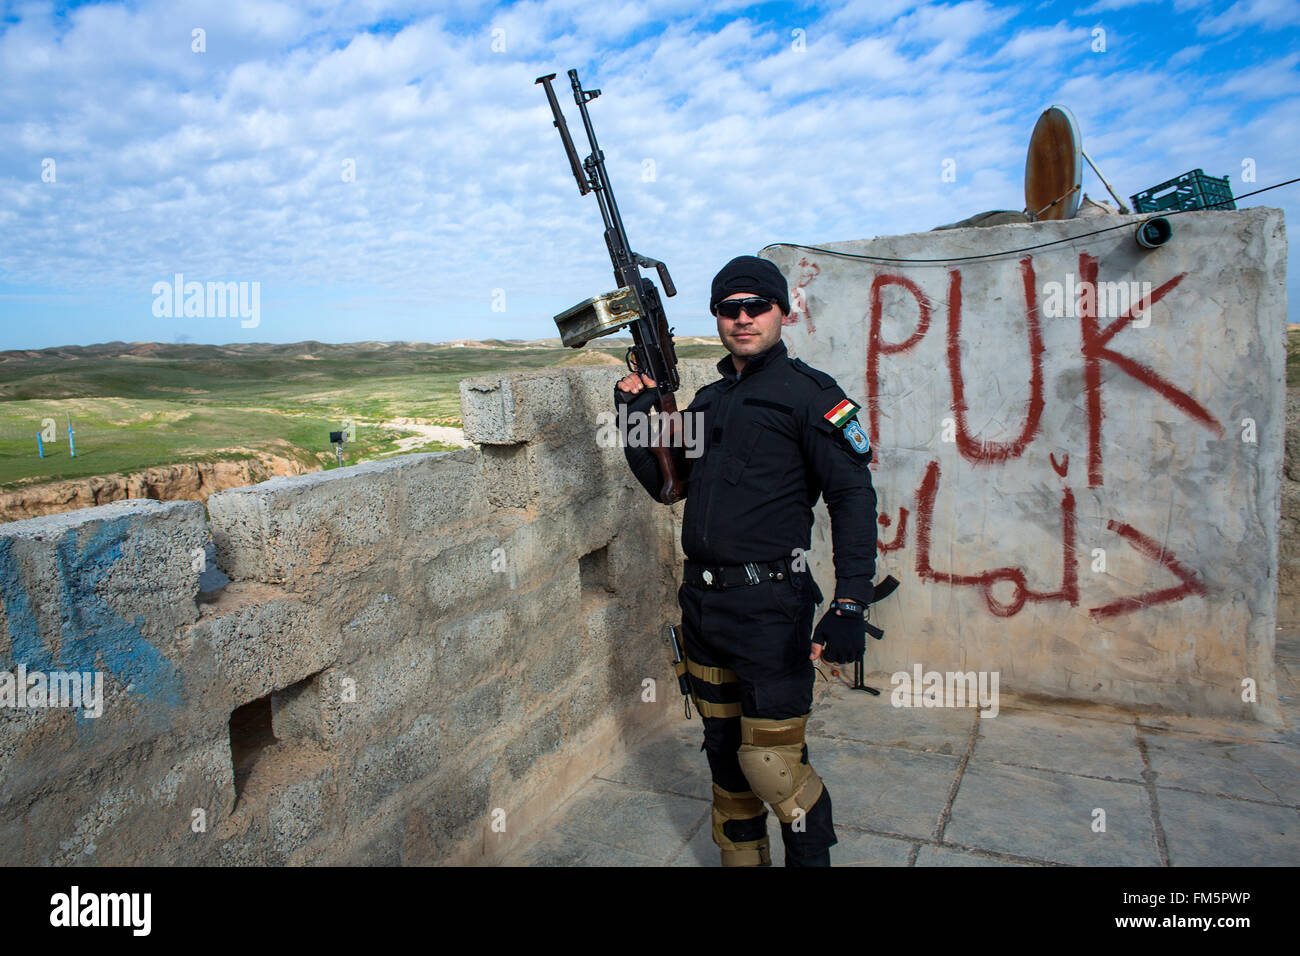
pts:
[634, 384]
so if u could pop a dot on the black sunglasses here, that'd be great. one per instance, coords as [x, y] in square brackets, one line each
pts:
[754, 307]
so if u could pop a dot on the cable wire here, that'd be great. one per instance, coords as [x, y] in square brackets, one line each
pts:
[1041, 245]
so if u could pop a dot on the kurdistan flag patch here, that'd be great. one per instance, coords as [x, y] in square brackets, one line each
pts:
[841, 413]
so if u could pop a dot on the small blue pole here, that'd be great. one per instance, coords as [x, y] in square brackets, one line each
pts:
[40, 445]
[71, 447]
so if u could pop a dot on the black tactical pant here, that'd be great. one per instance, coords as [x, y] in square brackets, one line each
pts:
[763, 633]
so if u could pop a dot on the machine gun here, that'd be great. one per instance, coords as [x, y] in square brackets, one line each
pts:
[635, 304]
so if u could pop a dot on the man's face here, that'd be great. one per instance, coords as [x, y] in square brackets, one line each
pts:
[748, 335]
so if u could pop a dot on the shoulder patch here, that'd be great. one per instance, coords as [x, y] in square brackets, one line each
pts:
[842, 414]
[857, 437]
[821, 378]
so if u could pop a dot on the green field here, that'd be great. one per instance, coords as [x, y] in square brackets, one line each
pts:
[138, 405]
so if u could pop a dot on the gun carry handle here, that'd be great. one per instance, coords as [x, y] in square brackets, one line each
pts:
[669, 289]
[584, 186]
[645, 262]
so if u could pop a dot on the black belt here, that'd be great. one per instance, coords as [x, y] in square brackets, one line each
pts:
[720, 577]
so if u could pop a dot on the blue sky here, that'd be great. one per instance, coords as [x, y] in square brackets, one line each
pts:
[725, 130]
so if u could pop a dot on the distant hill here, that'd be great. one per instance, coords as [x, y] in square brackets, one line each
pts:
[140, 405]
[275, 372]
[188, 351]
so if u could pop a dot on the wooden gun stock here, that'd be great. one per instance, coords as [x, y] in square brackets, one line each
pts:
[668, 438]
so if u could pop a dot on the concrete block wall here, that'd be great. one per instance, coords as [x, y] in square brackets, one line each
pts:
[414, 650]
[1288, 610]
[1082, 500]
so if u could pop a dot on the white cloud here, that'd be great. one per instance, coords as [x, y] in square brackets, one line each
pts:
[230, 164]
[1265, 81]
[1045, 43]
[1106, 6]
[1264, 14]
[1185, 56]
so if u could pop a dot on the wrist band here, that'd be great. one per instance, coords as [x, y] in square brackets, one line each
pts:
[849, 608]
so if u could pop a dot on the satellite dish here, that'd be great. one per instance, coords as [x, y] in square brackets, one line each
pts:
[1054, 167]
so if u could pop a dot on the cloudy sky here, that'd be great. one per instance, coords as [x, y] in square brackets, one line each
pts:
[389, 170]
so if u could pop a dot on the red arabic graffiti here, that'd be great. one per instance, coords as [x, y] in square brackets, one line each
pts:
[1095, 348]
[799, 299]
[1160, 555]
[900, 537]
[1068, 592]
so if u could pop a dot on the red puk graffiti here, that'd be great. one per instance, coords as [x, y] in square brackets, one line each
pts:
[1096, 347]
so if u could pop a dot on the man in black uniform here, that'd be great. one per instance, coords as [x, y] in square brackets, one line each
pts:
[777, 434]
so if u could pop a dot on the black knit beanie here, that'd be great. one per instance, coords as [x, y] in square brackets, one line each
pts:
[754, 275]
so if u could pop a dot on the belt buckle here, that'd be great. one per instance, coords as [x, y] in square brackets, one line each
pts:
[751, 573]
[708, 577]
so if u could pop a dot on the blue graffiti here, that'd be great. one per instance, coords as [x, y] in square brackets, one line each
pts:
[93, 635]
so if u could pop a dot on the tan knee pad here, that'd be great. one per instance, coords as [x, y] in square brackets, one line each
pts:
[771, 757]
[739, 806]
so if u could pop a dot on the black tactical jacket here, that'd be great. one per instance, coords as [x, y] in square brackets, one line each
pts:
[768, 453]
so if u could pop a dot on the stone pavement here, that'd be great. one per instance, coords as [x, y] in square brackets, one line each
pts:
[944, 787]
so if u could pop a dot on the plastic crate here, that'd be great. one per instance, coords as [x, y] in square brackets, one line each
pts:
[1193, 190]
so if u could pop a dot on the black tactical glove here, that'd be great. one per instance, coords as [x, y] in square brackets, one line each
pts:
[642, 401]
[843, 632]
